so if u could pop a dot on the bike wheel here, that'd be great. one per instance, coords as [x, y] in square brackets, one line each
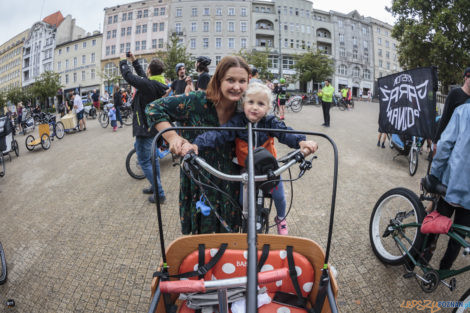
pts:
[16, 147]
[45, 141]
[104, 120]
[133, 166]
[2, 165]
[397, 207]
[28, 142]
[127, 119]
[342, 106]
[3, 264]
[465, 300]
[59, 130]
[413, 159]
[296, 106]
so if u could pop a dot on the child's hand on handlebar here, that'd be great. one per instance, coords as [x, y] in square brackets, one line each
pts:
[187, 147]
[308, 146]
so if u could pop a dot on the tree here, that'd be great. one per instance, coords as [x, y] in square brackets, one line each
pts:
[175, 53]
[45, 86]
[433, 33]
[313, 66]
[110, 77]
[260, 60]
[3, 101]
[15, 95]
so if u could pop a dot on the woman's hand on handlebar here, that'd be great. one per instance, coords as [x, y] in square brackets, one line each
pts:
[187, 147]
[176, 144]
[308, 146]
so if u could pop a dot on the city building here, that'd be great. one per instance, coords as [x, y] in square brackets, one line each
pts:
[213, 28]
[353, 53]
[385, 49]
[140, 27]
[78, 63]
[11, 59]
[38, 48]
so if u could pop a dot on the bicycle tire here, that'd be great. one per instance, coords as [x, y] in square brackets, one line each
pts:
[59, 130]
[341, 106]
[4, 272]
[465, 300]
[385, 247]
[16, 148]
[413, 158]
[296, 106]
[45, 141]
[127, 119]
[134, 173]
[28, 141]
[103, 119]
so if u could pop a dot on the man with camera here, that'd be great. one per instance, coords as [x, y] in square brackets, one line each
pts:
[149, 86]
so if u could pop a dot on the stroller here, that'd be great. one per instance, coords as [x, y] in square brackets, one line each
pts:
[7, 142]
[409, 146]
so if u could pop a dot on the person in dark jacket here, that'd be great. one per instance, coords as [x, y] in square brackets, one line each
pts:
[149, 87]
[117, 96]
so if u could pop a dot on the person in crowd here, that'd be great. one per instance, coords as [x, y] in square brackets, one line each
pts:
[382, 137]
[117, 99]
[202, 67]
[95, 97]
[326, 94]
[112, 117]
[257, 103]
[369, 95]
[105, 98]
[149, 86]
[19, 111]
[255, 76]
[451, 166]
[78, 106]
[178, 86]
[281, 96]
[214, 107]
[360, 94]
[455, 98]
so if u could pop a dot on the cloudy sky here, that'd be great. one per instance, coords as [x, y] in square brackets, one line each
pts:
[19, 15]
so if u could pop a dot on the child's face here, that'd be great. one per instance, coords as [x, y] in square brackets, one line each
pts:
[256, 106]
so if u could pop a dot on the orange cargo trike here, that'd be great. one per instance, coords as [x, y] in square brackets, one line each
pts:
[244, 272]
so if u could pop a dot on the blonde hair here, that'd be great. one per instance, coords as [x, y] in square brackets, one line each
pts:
[257, 88]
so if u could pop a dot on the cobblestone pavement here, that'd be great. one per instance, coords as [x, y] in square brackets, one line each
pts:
[80, 236]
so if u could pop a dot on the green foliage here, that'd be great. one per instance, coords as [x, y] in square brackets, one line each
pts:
[433, 33]
[15, 95]
[313, 66]
[175, 53]
[258, 59]
[3, 101]
[46, 85]
[110, 78]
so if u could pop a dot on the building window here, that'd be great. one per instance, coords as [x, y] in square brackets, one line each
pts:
[154, 43]
[83, 59]
[154, 27]
[160, 43]
[387, 44]
[113, 49]
[179, 12]
[243, 12]
[207, 11]
[366, 74]
[193, 11]
[380, 63]
[379, 41]
[138, 29]
[354, 40]
[124, 16]
[92, 57]
[143, 45]
[355, 54]
[365, 43]
[84, 45]
[243, 27]
[231, 26]
[144, 28]
[162, 26]
[83, 75]
[129, 16]
[218, 43]
[114, 34]
[205, 42]
[340, 23]
[146, 13]
[206, 26]
[287, 63]
[217, 59]
[162, 11]
[110, 19]
[192, 43]
[218, 27]
[115, 19]
[193, 27]
[74, 77]
[218, 11]
[243, 43]
[129, 31]
[341, 38]
[59, 65]
[123, 32]
[155, 12]
[128, 46]
[178, 27]
[92, 73]
[342, 69]
[231, 43]
[137, 45]
[139, 14]
[387, 55]
[380, 52]
[342, 52]
[75, 62]
[388, 65]
[108, 35]
[66, 78]
[60, 51]
[67, 49]
[67, 61]
[231, 11]
[355, 72]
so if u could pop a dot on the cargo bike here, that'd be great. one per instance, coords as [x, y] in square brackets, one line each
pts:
[8, 142]
[213, 270]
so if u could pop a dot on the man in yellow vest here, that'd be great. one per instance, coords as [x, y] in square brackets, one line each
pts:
[326, 94]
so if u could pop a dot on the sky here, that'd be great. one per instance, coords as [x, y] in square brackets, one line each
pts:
[19, 15]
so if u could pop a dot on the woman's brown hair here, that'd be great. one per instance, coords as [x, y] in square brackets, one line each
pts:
[213, 92]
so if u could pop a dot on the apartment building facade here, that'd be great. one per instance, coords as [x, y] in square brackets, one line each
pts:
[78, 63]
[11, 59]
[140, 27]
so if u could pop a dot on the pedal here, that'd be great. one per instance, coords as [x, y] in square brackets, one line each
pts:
[409, 275]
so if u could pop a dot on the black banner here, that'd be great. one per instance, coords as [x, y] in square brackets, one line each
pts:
[408, 102]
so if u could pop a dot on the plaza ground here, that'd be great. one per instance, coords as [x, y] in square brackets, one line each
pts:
[80, 236]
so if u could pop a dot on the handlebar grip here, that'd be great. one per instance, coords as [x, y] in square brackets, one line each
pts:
[179, 286]
[272, 276]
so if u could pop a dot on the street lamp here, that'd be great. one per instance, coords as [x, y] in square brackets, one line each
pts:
[280, 41]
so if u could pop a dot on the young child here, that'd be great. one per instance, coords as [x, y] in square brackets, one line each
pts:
[257, 102]
[112, 117]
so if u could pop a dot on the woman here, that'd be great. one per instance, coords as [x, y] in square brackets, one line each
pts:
[211, 108]
[117, 97]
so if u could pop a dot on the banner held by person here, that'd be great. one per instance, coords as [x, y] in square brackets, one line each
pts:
[408, 102]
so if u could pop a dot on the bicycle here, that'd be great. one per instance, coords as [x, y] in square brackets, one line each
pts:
[310, 99]
[133, 167]
[127, 114]
[294, 104]
[396, 238]
[103, 117]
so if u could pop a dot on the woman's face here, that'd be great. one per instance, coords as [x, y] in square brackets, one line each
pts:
[234, 84]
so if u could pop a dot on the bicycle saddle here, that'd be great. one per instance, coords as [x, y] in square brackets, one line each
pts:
[432, 185]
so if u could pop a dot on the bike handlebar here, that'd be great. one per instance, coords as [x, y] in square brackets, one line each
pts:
[180, 286]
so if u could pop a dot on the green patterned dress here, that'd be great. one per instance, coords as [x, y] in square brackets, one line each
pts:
[195, 110]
